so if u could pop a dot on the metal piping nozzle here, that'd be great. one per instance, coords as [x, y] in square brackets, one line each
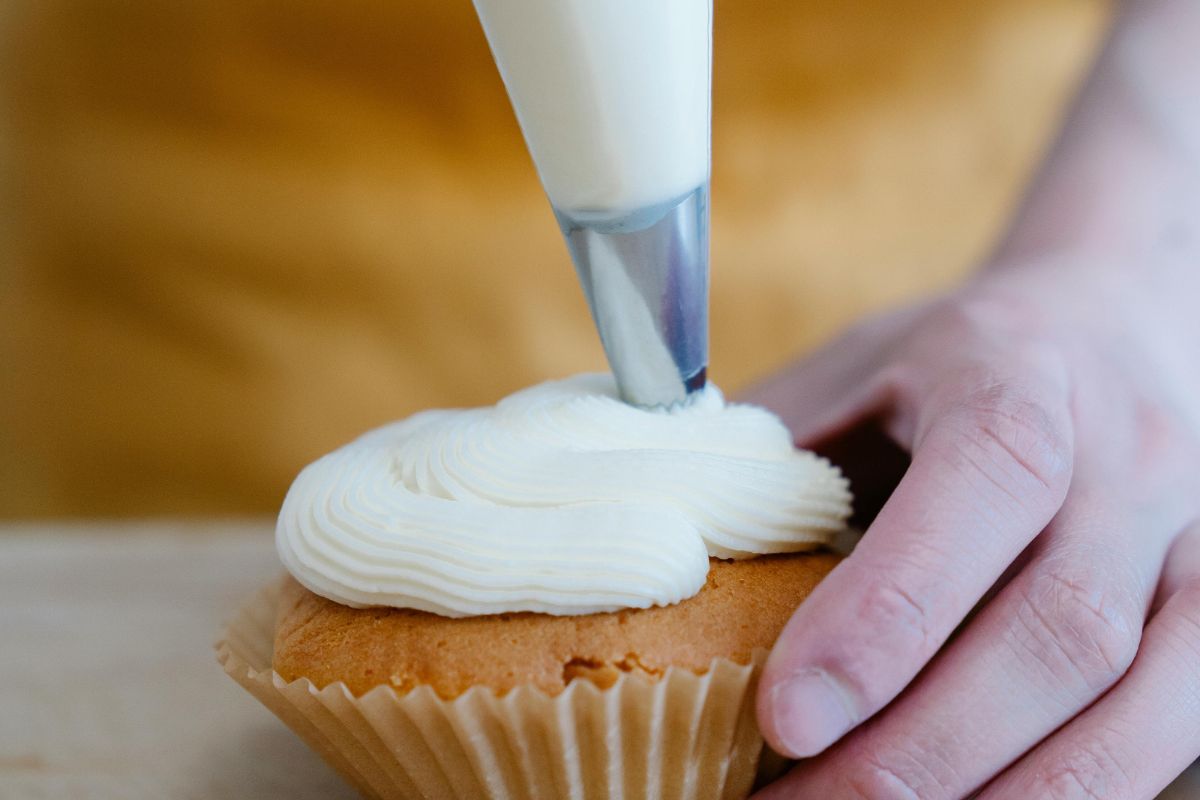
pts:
[645, 275]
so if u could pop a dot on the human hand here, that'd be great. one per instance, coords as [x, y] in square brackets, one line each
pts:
[1053, 417]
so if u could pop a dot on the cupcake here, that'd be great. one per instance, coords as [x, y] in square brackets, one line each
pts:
[557, 596]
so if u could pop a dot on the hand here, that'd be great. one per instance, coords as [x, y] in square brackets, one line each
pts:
[1054, 427]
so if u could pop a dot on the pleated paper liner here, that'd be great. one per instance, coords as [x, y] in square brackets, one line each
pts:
[681, 736]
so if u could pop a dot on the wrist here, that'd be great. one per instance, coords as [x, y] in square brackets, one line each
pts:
[1122, 184]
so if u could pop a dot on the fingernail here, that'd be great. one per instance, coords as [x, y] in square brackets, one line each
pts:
[810, 713]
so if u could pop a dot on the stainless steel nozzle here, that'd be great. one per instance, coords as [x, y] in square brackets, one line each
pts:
[645, 276]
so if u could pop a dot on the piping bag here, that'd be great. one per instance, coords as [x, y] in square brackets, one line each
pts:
[614, 101]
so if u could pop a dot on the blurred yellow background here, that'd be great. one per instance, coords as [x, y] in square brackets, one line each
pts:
[234, 234]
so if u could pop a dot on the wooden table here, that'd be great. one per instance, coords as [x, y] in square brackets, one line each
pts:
[108, 683]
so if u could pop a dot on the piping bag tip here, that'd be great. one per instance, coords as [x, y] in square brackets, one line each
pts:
[645, 276]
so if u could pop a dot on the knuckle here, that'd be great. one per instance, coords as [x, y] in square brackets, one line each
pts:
[894, 628]
[1018, 440]
[874, 781]
[1082, 628]
[1089, 773]
[887, 609]
[897, 775]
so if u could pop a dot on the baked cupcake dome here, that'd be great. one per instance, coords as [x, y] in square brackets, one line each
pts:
[741, 609]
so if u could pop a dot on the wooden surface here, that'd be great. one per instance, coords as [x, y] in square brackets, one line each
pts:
[108, 683]
[109, 687]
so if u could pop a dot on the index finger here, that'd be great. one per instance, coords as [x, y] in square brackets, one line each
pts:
[987, 476]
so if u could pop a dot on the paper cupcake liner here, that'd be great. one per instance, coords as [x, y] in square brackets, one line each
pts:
[680, 736]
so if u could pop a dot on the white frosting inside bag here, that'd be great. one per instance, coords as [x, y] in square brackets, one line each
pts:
[559, 499]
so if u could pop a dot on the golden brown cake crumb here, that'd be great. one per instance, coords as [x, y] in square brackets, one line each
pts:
[742, 607]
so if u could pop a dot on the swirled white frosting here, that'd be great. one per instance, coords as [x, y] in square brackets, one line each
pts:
[559, 499]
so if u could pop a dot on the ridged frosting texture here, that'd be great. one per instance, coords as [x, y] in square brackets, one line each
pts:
[559, 499]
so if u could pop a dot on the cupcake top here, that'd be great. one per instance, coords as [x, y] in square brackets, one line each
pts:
[559, 499]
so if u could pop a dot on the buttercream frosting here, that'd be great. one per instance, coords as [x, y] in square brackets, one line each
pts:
[559, 499]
